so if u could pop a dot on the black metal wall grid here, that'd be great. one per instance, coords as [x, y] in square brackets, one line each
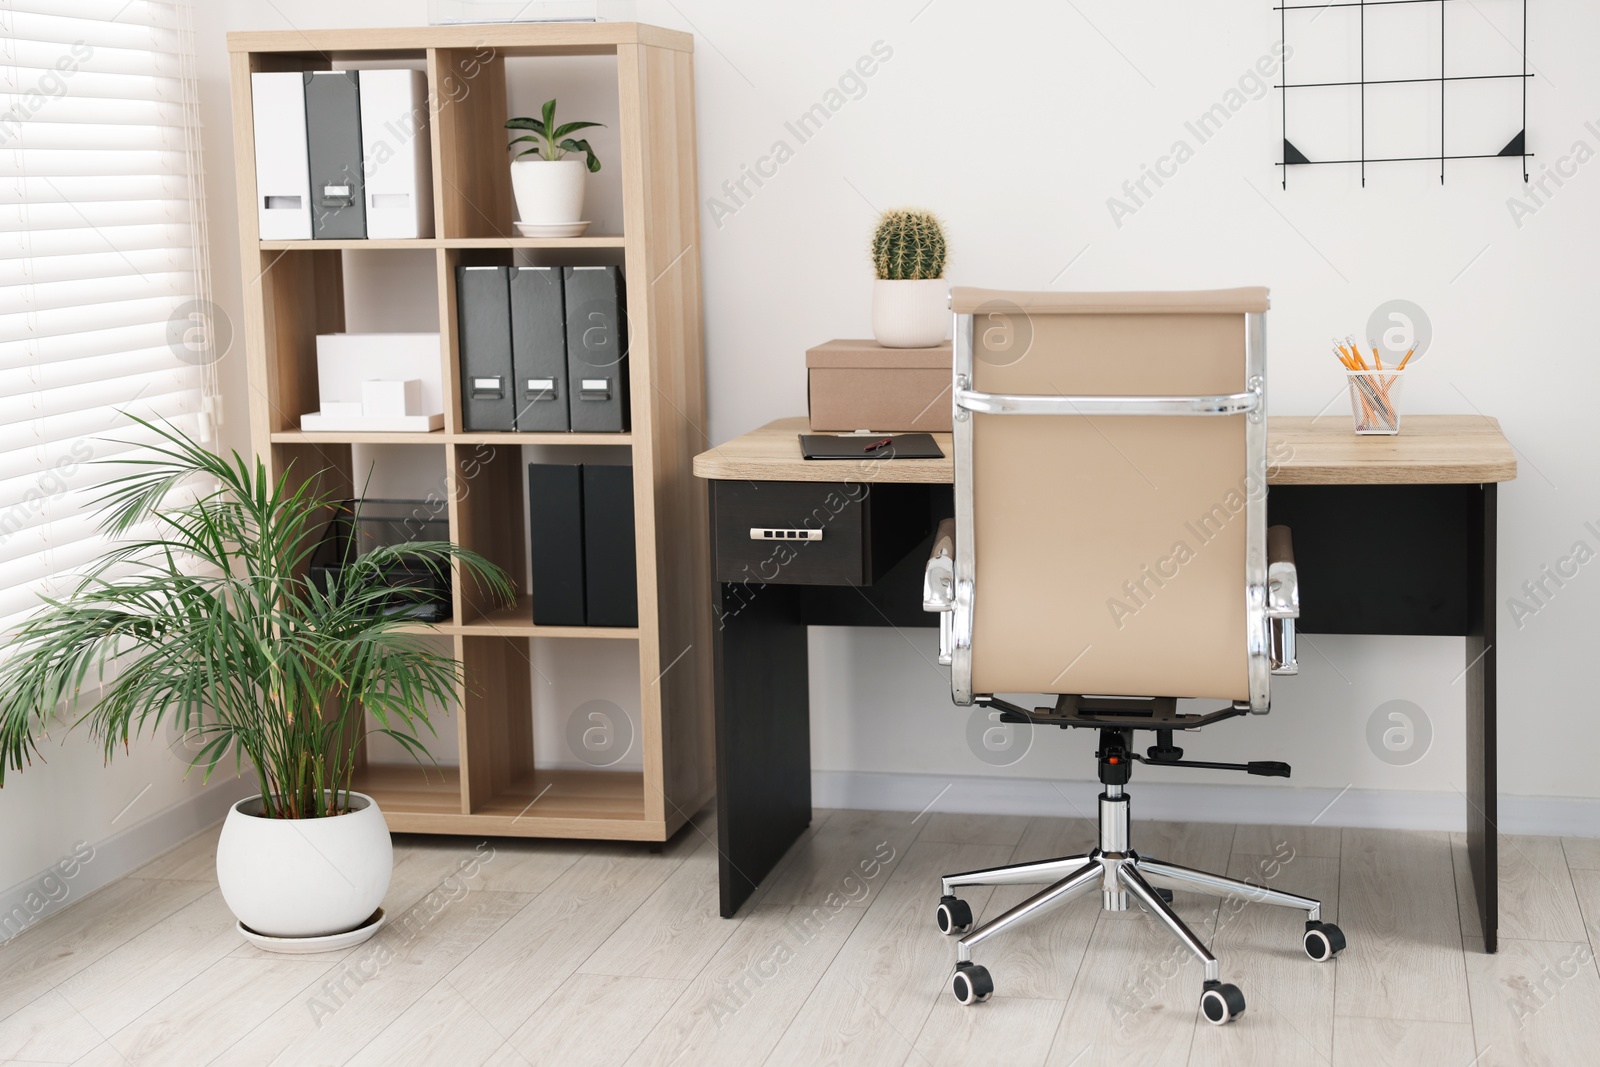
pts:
[1515, 148]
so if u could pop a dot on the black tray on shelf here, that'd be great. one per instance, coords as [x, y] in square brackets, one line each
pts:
[358, 526]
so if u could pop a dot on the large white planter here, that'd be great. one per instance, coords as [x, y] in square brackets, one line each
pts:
[304, 877]
[910, 314]
[549, 192]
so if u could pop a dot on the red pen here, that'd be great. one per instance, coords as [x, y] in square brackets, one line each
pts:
[879, 444]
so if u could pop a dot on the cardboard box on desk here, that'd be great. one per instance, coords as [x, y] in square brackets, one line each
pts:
[861, 385]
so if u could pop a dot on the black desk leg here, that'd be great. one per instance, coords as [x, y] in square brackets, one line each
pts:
[1482, 780]
[763, 709]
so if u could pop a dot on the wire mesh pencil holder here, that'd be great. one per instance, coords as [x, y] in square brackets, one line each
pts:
[1375, 400]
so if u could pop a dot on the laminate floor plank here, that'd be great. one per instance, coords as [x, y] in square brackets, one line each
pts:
[1398, 910]
[357, 998]
[511, 953]
[1361, 1042]
[214, 1010]
[529, 957]
[675, 932]
[1537, 901]
[60, 945]
[1136, 998]
[1534, 1003]
[595, 1020]
[137, 975]
[736, 1010]
[871, 1003]
[845, 858]
[1288, 1020]
[1019, 1034]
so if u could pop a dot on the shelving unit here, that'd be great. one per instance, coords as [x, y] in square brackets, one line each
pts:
[294, 291]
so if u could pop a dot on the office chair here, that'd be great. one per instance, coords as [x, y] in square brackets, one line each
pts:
[1110, 548]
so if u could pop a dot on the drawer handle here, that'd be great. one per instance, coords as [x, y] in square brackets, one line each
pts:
[761, 533]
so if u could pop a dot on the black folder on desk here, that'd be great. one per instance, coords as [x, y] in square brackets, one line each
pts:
[869, 446]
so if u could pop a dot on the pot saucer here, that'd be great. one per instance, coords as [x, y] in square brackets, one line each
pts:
[559, 229]
[325, 943]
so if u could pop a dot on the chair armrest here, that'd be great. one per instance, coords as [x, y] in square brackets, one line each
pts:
[939, 587]
[939, 576]
[1283, 601]
[1283, 581]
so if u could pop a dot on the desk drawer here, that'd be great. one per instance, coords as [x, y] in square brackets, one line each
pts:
[828, 521]
[816, 533]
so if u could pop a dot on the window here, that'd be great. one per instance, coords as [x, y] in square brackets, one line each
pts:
[103, 281]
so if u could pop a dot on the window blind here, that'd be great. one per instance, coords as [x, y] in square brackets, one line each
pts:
[104, 291]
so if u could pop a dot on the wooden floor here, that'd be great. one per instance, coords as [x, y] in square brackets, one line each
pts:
[567, 953]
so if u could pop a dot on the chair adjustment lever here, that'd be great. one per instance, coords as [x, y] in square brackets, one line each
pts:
[1264, 768]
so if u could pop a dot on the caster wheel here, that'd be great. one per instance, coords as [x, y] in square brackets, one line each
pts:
[954, 916]
[1221, 1003]
[972, 984]
[1323, 941]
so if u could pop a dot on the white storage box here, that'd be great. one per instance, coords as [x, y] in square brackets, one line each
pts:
[347, 361]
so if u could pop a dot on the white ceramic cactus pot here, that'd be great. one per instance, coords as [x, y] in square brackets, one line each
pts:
[911, 314]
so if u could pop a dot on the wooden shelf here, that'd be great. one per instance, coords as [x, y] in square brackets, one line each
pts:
[412, 788]
[517, 621]
[352, 437]
[542, 803]
[513, 39]
[431, 243]
[437, 437]
[570, 794]
[501, 438]
[600, 241]
[295, 292]
[420, 243]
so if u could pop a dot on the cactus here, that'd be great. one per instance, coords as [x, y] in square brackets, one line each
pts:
[908, 245]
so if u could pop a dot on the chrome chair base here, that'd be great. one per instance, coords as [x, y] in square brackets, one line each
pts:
[1120, 873]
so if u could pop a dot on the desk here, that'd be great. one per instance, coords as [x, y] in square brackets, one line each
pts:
[1435, 483]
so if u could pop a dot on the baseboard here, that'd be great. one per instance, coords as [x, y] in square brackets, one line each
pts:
[121, 854]
[1384, 809]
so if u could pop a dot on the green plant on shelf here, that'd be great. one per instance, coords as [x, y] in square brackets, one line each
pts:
[202, 617]
[908, 245]
[550, 141]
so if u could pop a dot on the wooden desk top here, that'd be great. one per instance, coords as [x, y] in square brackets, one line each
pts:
[1430, 449]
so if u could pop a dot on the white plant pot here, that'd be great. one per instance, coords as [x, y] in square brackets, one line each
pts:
[910, 314]
[549, 192]
[304, 877]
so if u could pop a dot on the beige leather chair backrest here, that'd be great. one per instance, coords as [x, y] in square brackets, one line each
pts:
[1110, 550]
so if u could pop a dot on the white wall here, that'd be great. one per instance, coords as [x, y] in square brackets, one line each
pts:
[1017, 121]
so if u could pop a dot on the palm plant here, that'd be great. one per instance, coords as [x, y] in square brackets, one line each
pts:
[210, 623]
[549, 140]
